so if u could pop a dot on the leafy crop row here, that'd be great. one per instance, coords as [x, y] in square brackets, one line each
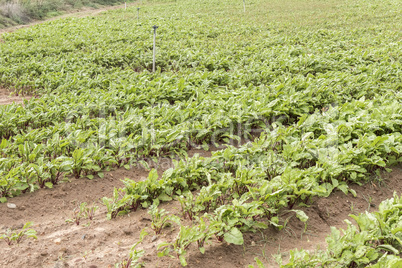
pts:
[84, 145]
[376, 241]
[344, 143]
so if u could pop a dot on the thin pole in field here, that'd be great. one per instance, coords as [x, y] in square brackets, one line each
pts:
[138, 15]
[244, 5]
[125, 5]
[153, 65]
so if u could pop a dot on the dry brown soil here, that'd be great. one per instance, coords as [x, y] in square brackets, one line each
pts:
[7, 98]
[104, 242]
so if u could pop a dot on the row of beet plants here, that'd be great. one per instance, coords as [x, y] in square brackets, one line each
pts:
[87, 147]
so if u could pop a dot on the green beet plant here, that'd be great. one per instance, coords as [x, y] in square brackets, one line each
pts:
[132, 261]
[185, 237]
[160, 218]
[11, 237]
[376, 241]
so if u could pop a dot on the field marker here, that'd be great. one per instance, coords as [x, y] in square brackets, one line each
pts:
[138, 15]
[244, 5]
[153, 65]
[125, 5]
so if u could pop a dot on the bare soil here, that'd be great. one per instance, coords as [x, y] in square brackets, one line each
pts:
[7, 98]
[102, 242]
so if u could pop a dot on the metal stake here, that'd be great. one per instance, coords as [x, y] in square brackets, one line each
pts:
[125, 5]
[244, 5]
[153, 65]
[138, 15]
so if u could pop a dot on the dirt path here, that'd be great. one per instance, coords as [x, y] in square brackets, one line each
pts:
[78, 13]
[104, 242]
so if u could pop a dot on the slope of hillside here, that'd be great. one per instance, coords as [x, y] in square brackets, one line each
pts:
[17, 12]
